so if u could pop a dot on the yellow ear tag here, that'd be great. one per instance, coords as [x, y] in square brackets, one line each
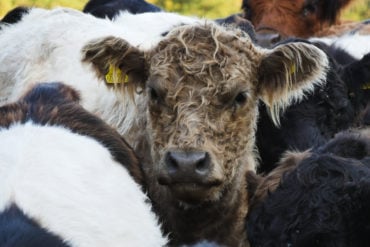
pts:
[366, 86]
[292, 69]
[115, 75]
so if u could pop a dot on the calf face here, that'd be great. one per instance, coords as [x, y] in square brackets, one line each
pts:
[201, 87]
[276, 20]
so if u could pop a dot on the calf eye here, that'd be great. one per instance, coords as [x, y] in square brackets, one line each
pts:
[309, 9]
[241, 98]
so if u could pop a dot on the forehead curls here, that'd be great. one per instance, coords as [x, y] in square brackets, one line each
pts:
[202, 50]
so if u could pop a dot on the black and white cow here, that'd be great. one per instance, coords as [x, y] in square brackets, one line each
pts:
[67, 178]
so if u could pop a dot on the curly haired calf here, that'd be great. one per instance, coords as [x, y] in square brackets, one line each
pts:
[202, 86]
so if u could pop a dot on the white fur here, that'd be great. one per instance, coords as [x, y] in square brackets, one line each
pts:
[46, 46]
[71, 185]
[355, 44]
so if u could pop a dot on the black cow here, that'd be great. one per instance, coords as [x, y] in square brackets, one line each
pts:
[111, 8]
[323, 200]
[331, 108]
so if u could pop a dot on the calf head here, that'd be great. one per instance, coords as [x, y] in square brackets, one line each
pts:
[201, 85]
[277, 20]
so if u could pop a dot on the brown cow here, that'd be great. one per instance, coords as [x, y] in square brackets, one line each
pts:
[200, 88]
[279, 19]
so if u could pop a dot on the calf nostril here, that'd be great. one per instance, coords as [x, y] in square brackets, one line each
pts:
[171, 163]
[202, 165]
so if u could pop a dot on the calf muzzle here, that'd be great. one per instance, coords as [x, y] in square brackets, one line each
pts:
[187, 164]
[188, 174]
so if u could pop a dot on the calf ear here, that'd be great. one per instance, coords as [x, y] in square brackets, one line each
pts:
[116, 61]
[286, 72]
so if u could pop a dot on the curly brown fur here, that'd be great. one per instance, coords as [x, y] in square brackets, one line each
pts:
[203, 58]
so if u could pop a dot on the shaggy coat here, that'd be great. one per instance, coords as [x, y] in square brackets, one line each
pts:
[196, 98]
[66, 180]
[276, 20]
[317, 198]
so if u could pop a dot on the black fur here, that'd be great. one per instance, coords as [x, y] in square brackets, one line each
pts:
[238, 21]
[17, 230]
[110, 8]
[311, 122]
[15, 15]
[347, 144]
[329, 10]
[357, 75]
[341, 56]
[324, 202]
[366, 115]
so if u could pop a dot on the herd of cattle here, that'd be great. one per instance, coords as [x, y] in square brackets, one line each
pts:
[126, 125]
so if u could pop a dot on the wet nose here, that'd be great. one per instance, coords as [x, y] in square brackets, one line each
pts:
[188, 164]
[267, 38]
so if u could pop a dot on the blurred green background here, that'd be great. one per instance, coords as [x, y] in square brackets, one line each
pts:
[358, 10]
